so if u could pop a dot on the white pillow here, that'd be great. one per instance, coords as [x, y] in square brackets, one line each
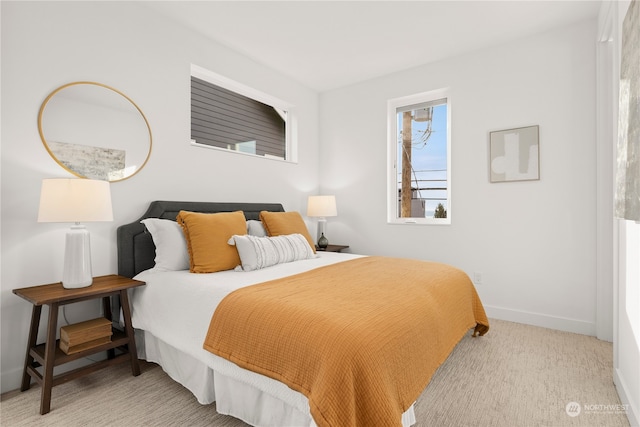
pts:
[255, 228]
[260, 252]
[171, 245]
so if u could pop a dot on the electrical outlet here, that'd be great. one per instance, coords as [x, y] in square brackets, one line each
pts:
[477, 278]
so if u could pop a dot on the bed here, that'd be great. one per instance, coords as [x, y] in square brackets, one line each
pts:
[174, 321]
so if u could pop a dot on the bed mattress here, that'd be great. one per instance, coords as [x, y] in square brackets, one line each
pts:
[171, 316]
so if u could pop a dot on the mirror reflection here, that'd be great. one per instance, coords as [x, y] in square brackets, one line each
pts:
[94, 131]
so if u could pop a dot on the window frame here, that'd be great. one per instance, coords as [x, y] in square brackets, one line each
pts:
[392, 155]
[291, 154]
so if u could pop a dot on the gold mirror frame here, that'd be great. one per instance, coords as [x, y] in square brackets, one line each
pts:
[112, 165]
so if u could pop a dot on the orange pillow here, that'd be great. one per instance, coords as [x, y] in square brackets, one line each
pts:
[207, 236]
[282, 223]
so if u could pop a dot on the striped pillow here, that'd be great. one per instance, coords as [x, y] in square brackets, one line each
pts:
[260, 252]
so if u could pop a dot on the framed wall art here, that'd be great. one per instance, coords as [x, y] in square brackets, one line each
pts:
[514, 154]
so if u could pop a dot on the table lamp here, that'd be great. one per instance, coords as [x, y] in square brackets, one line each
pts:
[75, 200]
[322, 207]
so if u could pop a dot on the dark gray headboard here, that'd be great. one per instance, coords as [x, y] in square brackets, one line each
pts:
[136, 251]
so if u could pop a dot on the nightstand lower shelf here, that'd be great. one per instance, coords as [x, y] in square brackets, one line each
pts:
[119, 341]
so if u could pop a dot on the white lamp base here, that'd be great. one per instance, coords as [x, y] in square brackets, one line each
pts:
[77, 258]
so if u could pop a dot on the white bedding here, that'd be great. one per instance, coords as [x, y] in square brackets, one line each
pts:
[171, 315]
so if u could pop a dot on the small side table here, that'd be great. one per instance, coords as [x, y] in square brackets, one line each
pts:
[332, 248]
[49, 354]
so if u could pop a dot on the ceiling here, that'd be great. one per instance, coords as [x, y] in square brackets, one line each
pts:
[329, 44]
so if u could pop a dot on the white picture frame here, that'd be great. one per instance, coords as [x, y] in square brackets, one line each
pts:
[514, 154]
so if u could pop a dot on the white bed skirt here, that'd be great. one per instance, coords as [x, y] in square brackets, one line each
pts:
[236, 391]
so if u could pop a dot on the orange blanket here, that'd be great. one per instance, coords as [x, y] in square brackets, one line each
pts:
[361, 338]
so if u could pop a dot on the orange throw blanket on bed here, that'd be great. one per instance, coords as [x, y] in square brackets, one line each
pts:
[361, 338]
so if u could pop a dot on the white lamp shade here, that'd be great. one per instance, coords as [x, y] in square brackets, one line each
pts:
[321, 206]
[75, 200]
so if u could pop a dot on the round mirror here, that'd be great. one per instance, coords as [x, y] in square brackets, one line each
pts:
[95, 131]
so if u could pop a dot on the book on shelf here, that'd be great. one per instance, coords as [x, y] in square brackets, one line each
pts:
[64, 346]
[85, 332]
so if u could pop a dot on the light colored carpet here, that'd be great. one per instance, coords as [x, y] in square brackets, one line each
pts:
[516, 375]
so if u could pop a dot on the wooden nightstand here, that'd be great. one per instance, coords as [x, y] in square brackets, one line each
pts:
[332, 248]
[49, 354]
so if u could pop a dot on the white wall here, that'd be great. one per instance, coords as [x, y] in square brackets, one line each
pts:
[626, 353]
[128, 47]
[534, 242]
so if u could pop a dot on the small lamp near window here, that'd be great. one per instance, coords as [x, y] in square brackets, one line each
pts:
[75, 200]
[322, 207]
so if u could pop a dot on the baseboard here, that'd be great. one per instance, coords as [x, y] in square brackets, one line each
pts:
[542, 320]
[633, 412]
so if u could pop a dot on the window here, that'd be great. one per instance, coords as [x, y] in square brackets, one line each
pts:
[229, 116]
[419, 170]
